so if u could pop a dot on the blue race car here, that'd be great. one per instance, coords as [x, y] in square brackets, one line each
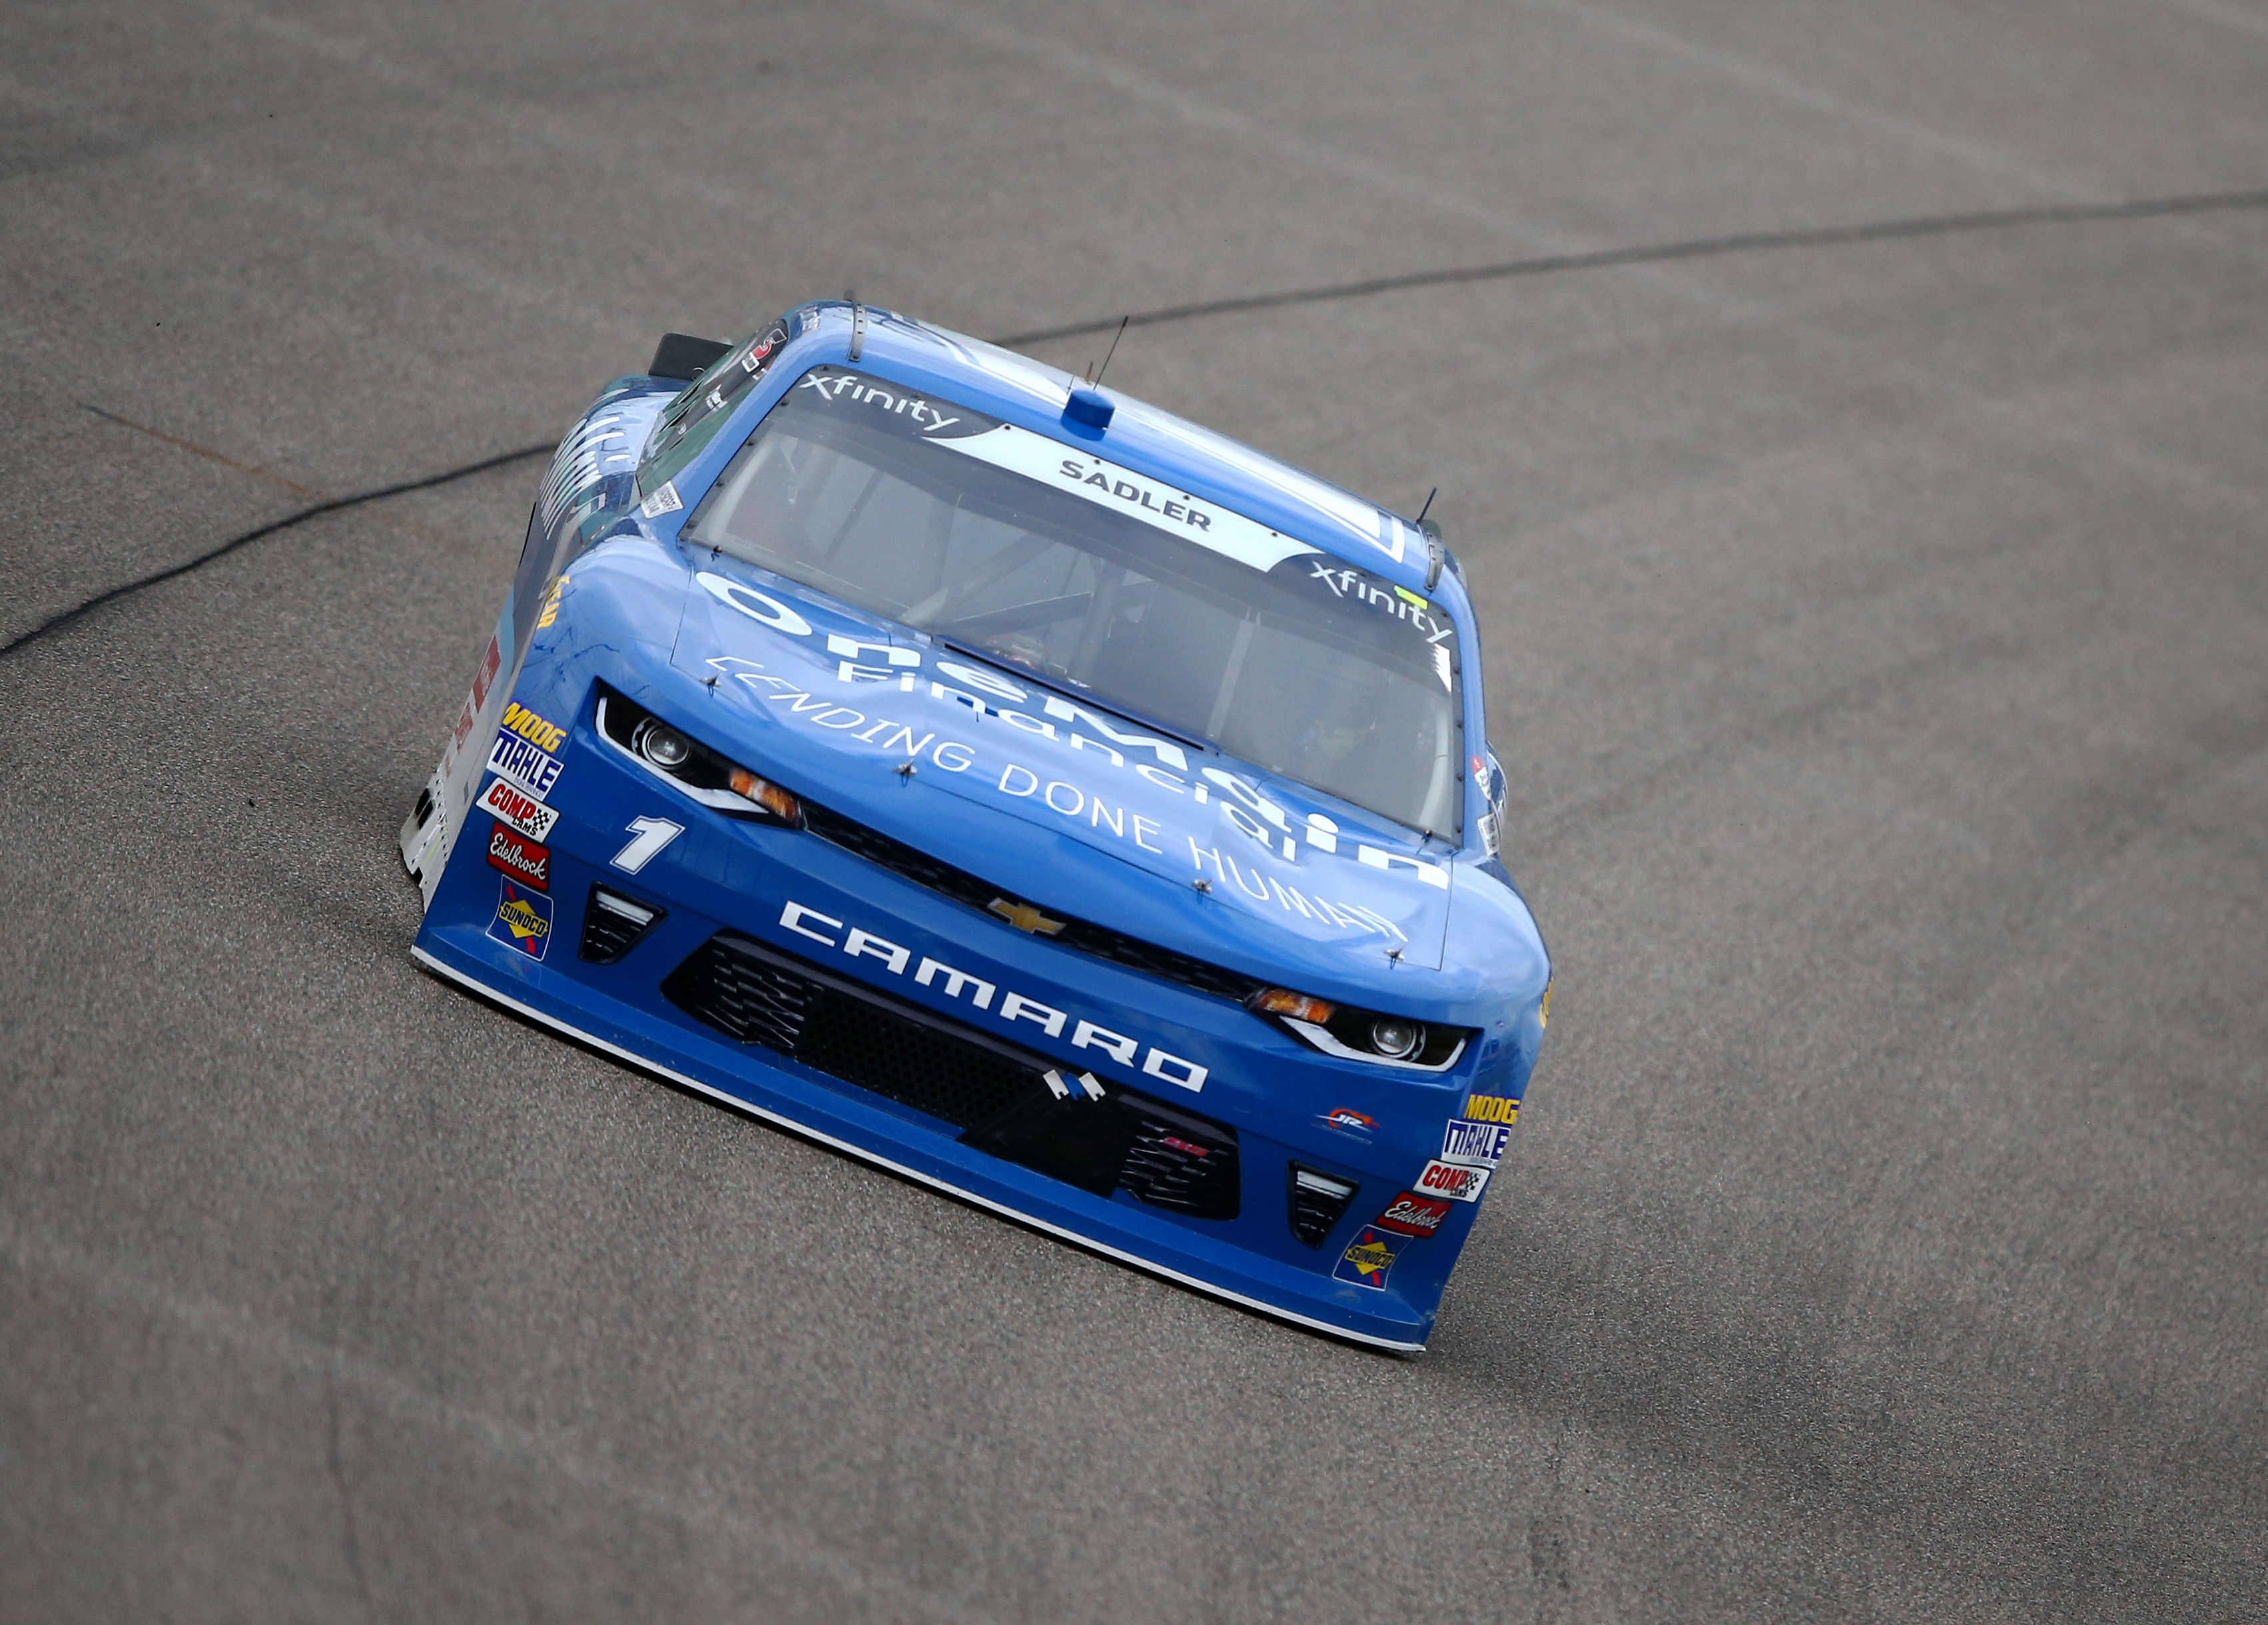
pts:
[1015, 786]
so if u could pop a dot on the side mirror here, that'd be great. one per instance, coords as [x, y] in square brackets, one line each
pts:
[683, 357]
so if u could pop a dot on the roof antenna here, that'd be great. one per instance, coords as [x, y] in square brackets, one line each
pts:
[857, 323]
[1095, 382]
[1421, 512]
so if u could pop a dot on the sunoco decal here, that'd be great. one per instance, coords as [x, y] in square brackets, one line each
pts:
[523, 919]
[1367, 1261]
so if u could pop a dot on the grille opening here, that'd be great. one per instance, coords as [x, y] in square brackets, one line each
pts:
[1182, 1162]
[1319, 1202]
[763, 996]
[995, 1092]
[1155, 1153]
[613, 925]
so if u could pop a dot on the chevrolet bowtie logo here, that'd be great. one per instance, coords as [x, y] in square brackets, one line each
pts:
[1023, 917]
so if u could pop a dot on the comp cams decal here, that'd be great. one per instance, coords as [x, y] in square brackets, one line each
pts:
[508, 804]
[1012, 1011]
[1453, 1180]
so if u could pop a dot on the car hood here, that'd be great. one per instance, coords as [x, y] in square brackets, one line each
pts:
[847, 700]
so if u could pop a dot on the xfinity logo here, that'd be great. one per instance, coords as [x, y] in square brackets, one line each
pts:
[1010, 1009]
[834, 387]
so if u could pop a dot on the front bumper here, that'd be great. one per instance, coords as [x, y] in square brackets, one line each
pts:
[800, 900]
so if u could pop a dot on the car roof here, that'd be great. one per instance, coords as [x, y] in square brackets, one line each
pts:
[1019, 390]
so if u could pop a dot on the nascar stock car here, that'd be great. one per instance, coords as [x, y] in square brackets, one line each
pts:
[1014, 785]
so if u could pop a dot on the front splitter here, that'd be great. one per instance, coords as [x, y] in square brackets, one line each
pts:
[465, 976]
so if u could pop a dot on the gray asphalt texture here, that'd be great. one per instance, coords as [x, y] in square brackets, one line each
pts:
[1878, 642]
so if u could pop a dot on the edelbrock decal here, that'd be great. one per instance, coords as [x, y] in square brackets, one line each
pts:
[520, 857]
[1410, 1214]
[506, 802]
[1012, 1011]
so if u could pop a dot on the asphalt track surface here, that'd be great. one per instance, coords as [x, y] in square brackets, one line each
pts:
[1853, 419]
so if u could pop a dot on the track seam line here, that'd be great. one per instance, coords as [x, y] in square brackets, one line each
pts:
[63, 618]
[1692, 248]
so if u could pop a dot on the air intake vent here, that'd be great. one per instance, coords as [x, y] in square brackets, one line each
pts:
[1319, 1202]
[1180, 1162]
[1156, 1153]
[613, 925]
[761, 996]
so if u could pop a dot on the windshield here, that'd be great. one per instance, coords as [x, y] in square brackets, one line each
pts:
[1103, 582]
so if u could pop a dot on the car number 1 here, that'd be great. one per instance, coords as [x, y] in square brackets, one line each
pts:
[652, 834]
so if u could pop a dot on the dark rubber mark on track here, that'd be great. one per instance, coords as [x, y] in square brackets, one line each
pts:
[56, 622]
[1698, 248]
